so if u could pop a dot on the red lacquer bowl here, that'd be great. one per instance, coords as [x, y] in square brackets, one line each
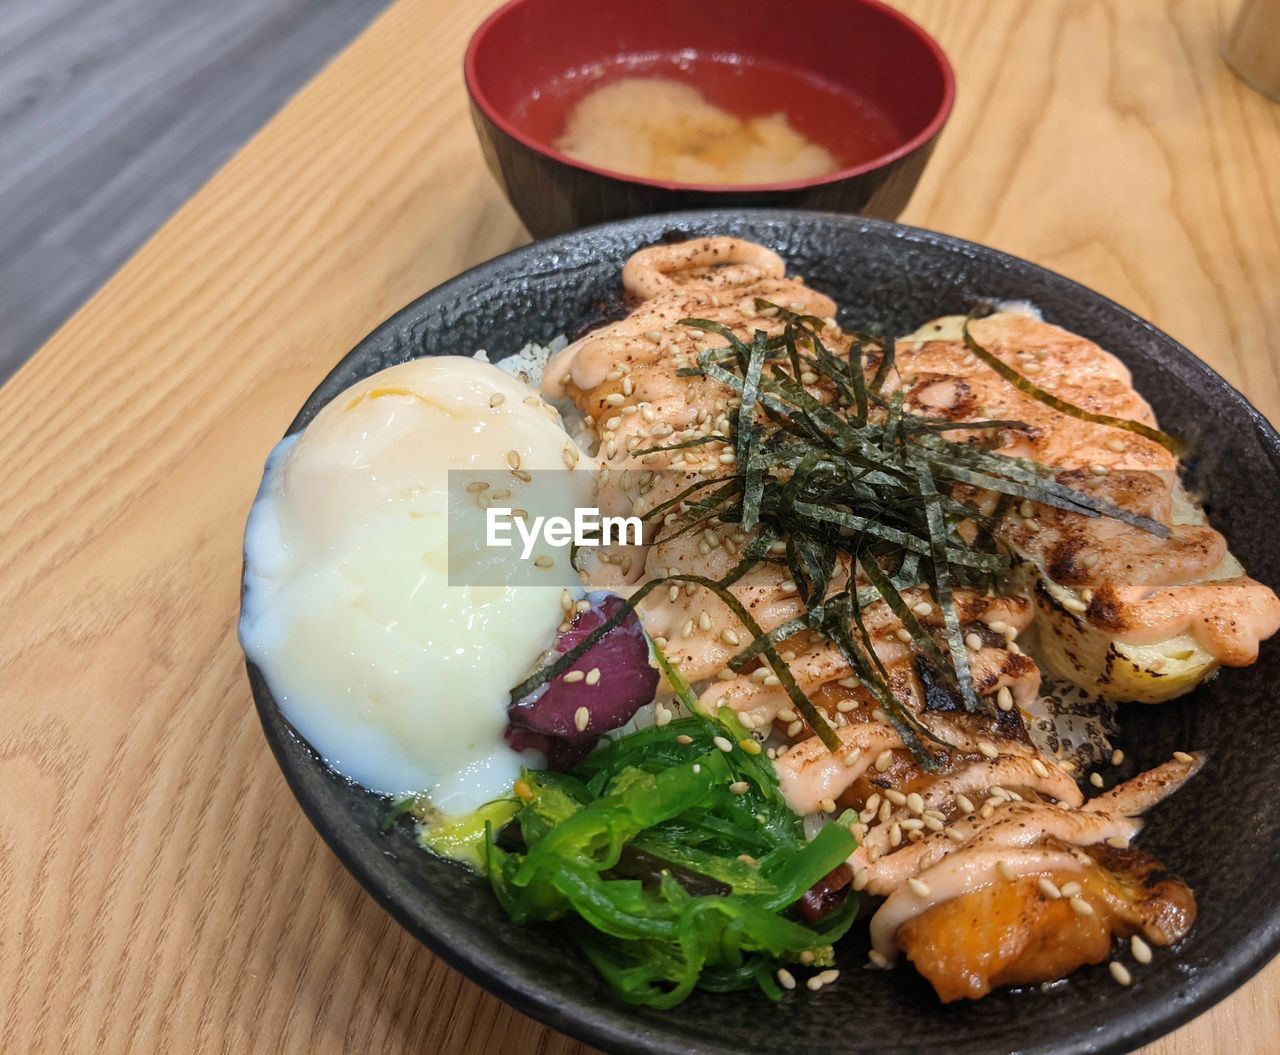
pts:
[854, 75]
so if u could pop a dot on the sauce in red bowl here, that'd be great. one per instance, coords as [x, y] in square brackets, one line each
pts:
[853, 76]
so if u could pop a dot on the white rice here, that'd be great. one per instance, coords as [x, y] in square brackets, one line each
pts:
[530, 362]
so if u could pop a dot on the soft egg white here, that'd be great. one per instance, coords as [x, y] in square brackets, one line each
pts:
[398, 679]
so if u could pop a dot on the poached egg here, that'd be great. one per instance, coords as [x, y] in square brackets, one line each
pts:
[398, 677]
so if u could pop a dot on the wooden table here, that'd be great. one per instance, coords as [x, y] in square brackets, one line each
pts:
[159, 888]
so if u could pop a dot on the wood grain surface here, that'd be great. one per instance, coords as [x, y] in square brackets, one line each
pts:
[159, 888]
[114, 112]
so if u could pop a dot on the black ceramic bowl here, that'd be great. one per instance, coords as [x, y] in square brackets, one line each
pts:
[1221, 832]
[856, 76]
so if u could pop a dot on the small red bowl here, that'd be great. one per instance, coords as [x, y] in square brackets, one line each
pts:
[854, 75]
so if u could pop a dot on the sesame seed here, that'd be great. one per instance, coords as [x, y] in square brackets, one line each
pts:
[878, 960]
[922, 608]
[513, 459]
[1005, 871]
[653, 335]
[955, 835]
[1117, 757]
[785, 978]
[749, 745]
[1039, 769]
[827, 805]
[915, 803]
[1183, 757]
[794, 728]
[1071, 889]
[987, 749]
[972, 642]
[1117, 842]
[581, 718]
[966, 804]
[1004, 698]
[851, 759]
[722, 743]
[883, 760]
[860, 879]
[895, 834]
[683, 739]
[543, 562]
[739, 787]
[661, 716]
[814, 983]
[1074, 604]
[1114, 445]
[593, 676]
[729, 636]
[1080, 906]
[1141, 950]
[1049, 888]
[1120, 973]
[1096, 779]
[903, 635]
[919, 887]
[829, 975]
[895, 796]
[574, 675]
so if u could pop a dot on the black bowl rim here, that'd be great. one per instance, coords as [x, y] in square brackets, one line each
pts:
[932, 129]
[606, 1026]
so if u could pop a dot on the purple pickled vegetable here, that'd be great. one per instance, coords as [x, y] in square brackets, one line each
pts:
[612, 680]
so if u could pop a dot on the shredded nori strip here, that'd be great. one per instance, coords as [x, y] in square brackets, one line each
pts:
[861, 483]
[1023, 384]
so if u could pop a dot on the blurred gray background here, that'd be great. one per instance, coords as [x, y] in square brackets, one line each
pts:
[114, 112]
